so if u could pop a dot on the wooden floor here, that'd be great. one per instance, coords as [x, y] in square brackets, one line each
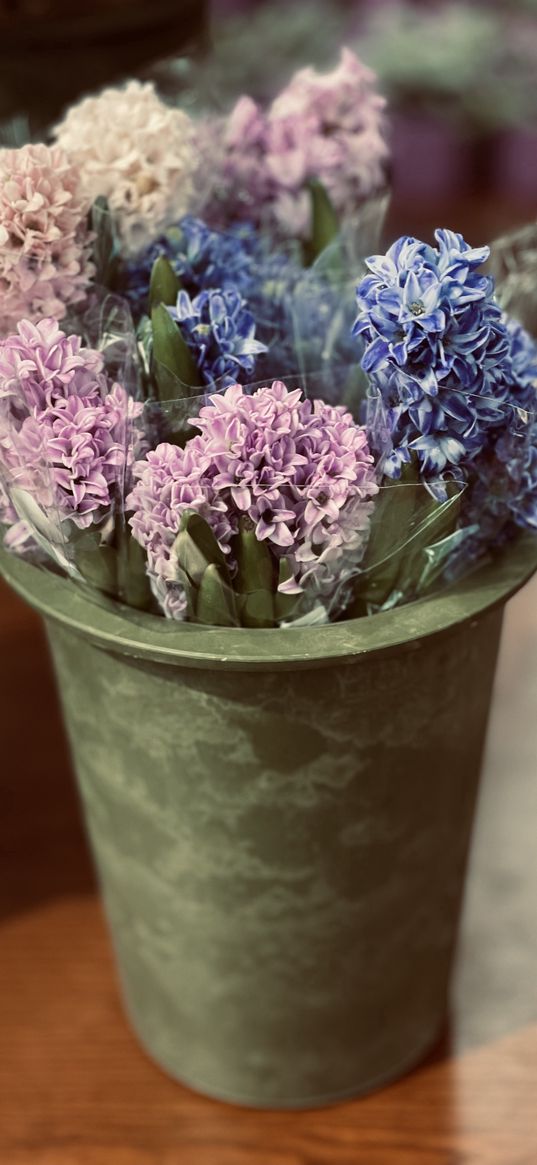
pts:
[75, 1087]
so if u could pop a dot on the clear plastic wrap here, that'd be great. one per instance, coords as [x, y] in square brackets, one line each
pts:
[513, 263]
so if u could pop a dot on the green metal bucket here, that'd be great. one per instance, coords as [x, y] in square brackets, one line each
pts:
[281, 822]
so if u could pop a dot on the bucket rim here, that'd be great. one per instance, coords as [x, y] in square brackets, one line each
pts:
[115, 627]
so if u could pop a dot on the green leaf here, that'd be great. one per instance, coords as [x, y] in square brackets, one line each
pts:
[202, 537]
[164, 286]
[285, 606]
[409, 520]
[325, 226]
[96, 561]
[106, 248]
[190, 558]
[191, 593]
[255, 565]
[132, 581]
[390, 523]
[216, 605]
[256, 609]
[255, 578]
[434, 526]
[174, 367]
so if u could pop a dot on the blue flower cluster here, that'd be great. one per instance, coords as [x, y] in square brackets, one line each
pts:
[435, 347]
[203, 258]
[502, 493]
[238, 259]
[456, 378]
[220, 332]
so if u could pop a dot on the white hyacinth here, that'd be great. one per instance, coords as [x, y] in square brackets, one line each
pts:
[137, 152]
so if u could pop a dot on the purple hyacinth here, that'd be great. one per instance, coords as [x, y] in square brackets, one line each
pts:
[328, 127]
[41, 365]
[70, 458]
[300, 471]
[64, 430]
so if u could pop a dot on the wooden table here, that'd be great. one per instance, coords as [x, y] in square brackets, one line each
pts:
[75, 1088]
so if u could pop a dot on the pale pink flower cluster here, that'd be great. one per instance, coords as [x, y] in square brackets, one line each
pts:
[138, 153]
[328, 127]
[45, 243]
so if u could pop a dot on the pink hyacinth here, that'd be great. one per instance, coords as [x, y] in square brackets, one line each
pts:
[327, 127]
[301, 471]
[45, 244]
[236, 148]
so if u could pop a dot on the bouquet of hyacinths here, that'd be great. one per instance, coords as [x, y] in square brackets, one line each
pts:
[115, 231]
[249, 237]
[251, 504]
[193, 420]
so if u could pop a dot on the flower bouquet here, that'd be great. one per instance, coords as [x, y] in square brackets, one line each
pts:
[271, 501]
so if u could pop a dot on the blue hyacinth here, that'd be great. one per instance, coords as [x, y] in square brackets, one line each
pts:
[239, 259]
[457, 381]
[220, 333]
[203, 258]
[435, 346]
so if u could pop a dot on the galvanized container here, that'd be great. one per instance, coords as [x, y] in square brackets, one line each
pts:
[281, 822]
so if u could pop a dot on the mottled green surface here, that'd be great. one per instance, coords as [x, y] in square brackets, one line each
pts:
[282, 847]
[282, 855]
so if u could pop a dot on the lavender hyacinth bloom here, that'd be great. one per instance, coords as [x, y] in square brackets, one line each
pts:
[301, 472]
[40, 365]
[64, 430]
[220, 332]
[70, 459]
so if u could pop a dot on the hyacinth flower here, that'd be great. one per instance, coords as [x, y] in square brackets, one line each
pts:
[220, 333]
[201, 258]
[325, 129]
[262, 516]
[138, 153]
[454, 377]
[302, 317]
[65, 452]
[46, 262]
[195, 258]
[194, 344]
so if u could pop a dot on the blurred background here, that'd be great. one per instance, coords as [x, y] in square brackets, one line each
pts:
[460, 78]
